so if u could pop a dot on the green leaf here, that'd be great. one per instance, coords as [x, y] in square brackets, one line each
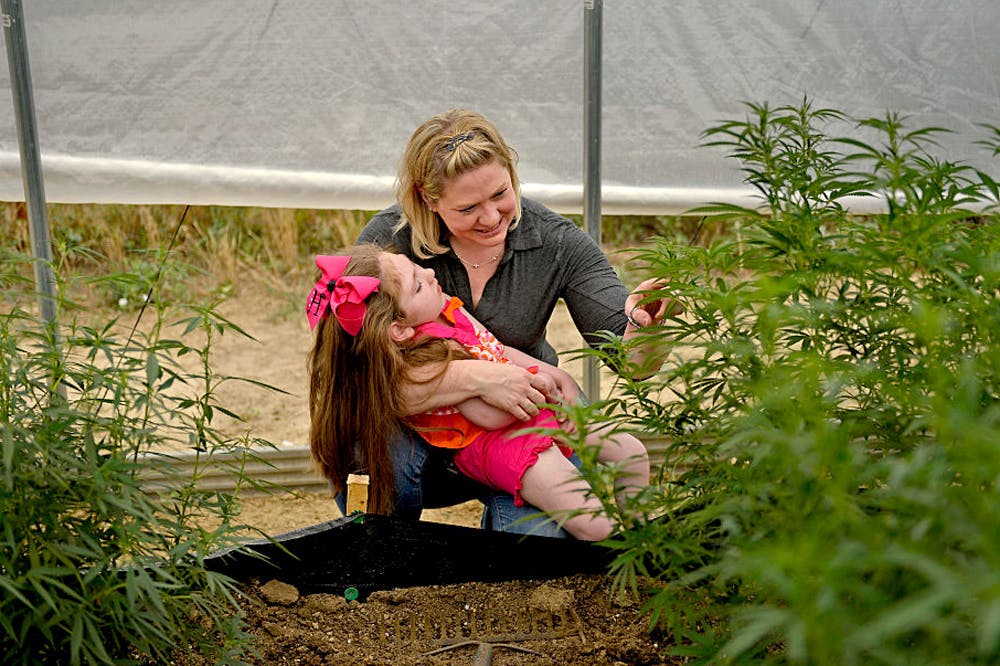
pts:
[152, 368]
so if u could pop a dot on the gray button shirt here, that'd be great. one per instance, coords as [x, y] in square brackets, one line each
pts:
[547, 258]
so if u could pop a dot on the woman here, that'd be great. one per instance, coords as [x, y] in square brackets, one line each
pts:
[510, 260]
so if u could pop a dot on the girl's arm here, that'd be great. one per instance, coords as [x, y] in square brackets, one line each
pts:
[484, 414]
[557, 386]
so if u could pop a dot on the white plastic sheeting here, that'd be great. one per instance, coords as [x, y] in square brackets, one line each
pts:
[308, 103]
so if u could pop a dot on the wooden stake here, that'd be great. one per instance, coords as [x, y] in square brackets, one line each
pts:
[357, 493]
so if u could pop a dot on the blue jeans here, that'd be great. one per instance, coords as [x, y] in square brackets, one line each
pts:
[426, 478]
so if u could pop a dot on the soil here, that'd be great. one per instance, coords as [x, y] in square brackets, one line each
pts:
[572, 620]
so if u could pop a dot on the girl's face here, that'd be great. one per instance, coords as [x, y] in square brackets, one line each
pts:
[478, 206]
[420, 295]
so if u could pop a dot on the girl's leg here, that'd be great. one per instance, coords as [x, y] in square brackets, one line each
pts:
[630, 454]
[555, 486]
[503, 515]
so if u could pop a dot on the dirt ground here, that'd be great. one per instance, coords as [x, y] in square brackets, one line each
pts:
[572, 620]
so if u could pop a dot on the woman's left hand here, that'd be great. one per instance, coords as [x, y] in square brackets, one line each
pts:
[651, 312]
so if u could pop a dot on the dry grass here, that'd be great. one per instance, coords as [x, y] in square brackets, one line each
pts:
[217, 247]
[281, 237]
[213, 246]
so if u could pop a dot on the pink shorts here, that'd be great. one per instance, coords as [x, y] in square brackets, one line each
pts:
[499, 459]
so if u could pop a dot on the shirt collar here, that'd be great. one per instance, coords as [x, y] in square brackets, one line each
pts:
[525, 236]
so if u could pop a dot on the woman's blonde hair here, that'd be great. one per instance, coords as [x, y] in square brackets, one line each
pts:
[354, 402]
[442, 148]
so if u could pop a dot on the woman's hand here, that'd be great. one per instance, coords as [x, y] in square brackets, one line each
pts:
[649, 355]
[558, 385]
[511, 388]
[651, 312]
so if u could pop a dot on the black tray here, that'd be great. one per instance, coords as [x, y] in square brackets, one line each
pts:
[362, 553]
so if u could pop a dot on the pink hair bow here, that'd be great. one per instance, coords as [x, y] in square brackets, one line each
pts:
[345, 296]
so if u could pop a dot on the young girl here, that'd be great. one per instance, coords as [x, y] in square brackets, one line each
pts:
[381, 320]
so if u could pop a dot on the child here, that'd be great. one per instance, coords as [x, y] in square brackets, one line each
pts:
[382, 321]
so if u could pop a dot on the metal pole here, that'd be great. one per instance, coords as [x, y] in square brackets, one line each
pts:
[592, 10]
[12, 18]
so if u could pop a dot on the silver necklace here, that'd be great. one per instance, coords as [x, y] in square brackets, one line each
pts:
[475, 266]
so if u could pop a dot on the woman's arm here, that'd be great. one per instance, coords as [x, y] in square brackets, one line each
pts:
[597, 300]
[507, 387]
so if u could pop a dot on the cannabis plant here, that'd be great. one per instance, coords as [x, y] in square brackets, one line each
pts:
[96, 567]
[832, 403]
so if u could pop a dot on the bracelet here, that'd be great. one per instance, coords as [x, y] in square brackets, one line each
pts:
[628, 316]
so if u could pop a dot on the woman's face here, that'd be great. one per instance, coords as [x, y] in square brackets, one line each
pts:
[478, 206]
